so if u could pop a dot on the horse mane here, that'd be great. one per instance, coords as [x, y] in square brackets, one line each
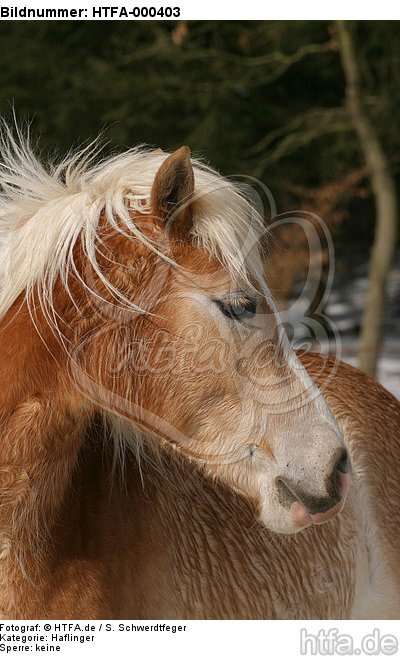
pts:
[44, 210]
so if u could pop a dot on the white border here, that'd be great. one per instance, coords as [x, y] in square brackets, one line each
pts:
[224, 10]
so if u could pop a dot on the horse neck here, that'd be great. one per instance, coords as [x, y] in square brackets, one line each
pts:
[42, 427]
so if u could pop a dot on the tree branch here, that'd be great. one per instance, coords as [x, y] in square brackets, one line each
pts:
[385, 200]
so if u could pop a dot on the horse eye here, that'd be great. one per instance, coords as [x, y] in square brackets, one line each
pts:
[239, 309]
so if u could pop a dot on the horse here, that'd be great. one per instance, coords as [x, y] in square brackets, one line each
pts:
[165, 452]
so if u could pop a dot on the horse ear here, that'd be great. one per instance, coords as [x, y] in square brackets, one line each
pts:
[171, 192]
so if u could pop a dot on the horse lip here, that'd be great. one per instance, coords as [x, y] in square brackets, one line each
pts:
[321, 518]
[302, 518]
[345, 481]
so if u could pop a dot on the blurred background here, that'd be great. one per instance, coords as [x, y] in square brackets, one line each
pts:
[311, 109]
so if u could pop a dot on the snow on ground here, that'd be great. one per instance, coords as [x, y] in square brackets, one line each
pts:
[389, 362]
[345, 308]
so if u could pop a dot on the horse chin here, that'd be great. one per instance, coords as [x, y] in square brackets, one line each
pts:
[281, 526]
[276, 519]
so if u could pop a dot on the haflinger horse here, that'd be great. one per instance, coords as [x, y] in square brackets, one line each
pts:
[164, 452]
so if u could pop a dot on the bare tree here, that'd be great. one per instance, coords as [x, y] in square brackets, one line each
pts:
[384, 190]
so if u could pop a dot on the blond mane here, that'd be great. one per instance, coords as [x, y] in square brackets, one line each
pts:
[44, 210]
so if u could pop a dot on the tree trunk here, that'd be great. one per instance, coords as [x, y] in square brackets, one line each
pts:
[384, 190]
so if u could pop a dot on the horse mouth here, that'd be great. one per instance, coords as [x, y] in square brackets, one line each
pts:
[302, 518]
[305, 510]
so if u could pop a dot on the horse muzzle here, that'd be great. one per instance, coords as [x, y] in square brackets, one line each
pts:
[305, 508]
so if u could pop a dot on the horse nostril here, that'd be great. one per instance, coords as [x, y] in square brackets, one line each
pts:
[285, 495]
[343, 462]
